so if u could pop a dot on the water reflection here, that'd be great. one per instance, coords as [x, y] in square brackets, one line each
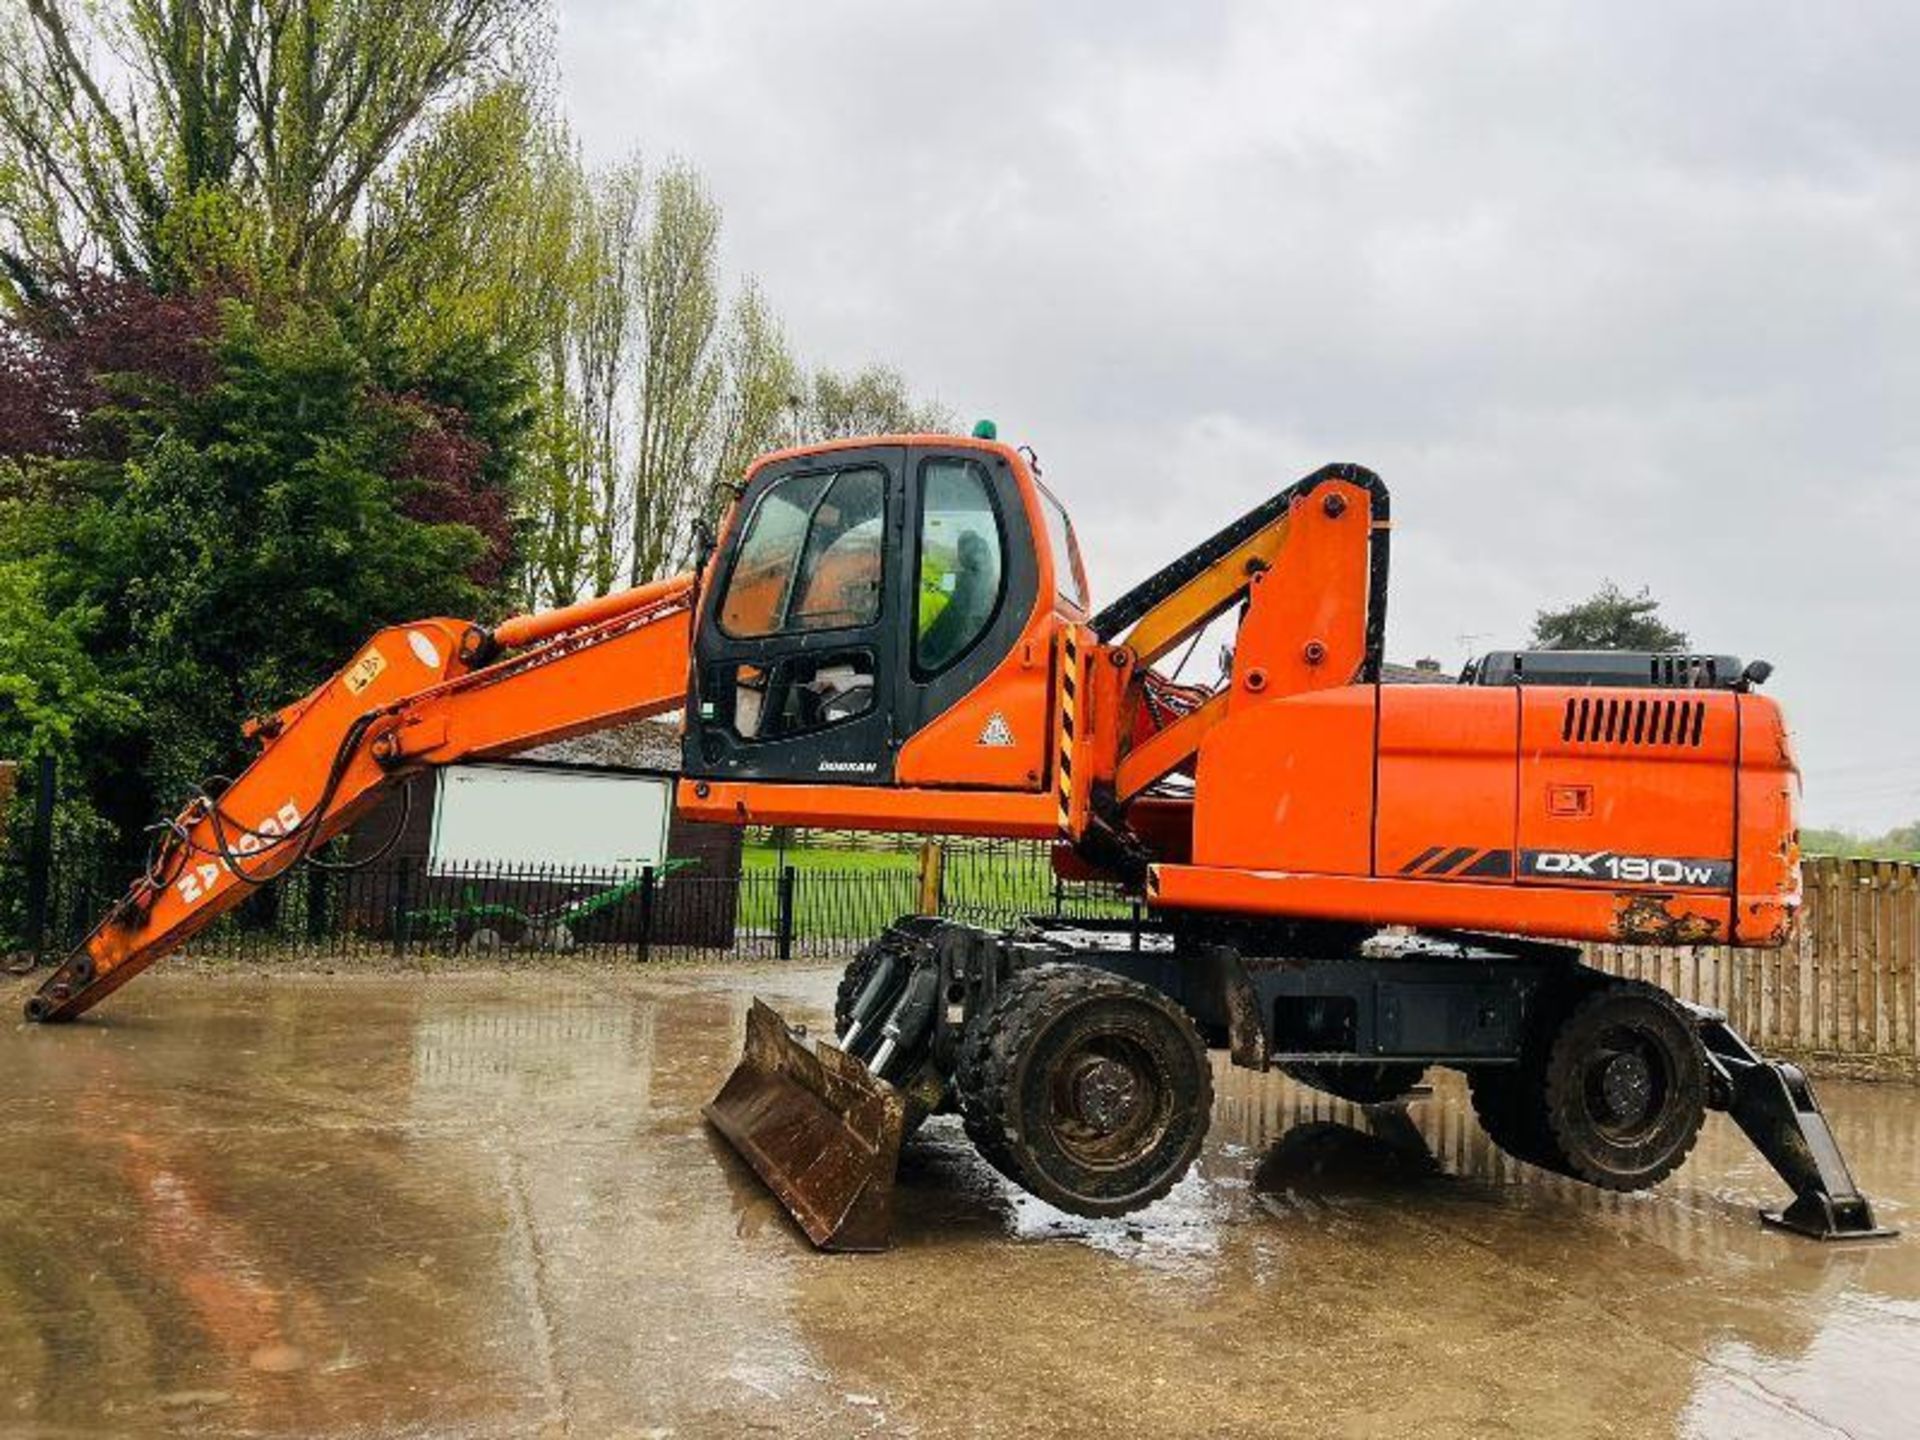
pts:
[1346, 1235]
[612, 1200]
[1327, 1159]
[195, 1215]
[489, 1205]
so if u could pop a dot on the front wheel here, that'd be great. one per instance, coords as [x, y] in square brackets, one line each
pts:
[853, 980]
[1090, 1091]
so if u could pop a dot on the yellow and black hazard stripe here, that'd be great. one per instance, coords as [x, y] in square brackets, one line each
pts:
[1460, 862]
[1069, 708]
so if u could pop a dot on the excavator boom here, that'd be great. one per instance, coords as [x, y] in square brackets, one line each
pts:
[416, 696]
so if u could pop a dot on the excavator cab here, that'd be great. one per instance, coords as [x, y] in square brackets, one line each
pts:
[861, 593]
[880, 621]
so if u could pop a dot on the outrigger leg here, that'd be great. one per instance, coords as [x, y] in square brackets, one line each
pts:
[1773, 1102]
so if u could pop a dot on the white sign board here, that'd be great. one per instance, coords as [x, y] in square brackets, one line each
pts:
[515, 816]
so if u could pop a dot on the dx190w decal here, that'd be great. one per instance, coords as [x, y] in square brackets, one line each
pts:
[1591, 867]
[1612, 868]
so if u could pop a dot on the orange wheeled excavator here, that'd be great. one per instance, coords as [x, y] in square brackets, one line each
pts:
[1346, 879]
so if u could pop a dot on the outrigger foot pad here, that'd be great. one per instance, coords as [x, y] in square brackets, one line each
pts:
[1773, 1102]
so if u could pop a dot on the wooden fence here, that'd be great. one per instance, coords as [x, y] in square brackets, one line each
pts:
[1842, 991]
[1840, 997]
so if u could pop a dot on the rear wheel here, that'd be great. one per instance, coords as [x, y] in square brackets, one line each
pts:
[1625, 1087]
[1362, 1084]
[1508, 1102]
[1090, 1091]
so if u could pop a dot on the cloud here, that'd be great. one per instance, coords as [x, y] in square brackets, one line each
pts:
[1628, 291]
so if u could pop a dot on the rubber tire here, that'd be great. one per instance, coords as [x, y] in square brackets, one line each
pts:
[1507, 1101]
[1362, 1084]
[980, 1118]
[1005, 1086]
[1589, 1154]
[1510, 1100]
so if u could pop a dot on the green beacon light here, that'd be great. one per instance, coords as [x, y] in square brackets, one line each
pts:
[985, 430]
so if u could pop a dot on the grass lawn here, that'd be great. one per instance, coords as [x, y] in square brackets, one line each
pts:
[842, 893]
[837, 893]
[757, 858]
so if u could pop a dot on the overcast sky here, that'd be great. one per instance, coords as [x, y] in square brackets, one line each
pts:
[1624, 291]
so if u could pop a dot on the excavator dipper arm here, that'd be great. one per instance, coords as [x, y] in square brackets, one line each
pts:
[416, 697]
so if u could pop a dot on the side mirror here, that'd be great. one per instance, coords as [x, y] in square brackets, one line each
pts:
[1756, 674]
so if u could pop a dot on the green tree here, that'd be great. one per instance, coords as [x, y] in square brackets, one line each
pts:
[294, 138]
[264, 524]
[558, 510]
[758, 378]
[468, 234]
[54, 699]
[579, 516]
[679, 307]
[611, 255]
[651, 395]
[872, 401]
[1900, 843]
[1609, 619]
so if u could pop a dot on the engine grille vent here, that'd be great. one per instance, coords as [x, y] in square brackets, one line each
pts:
[1613, 721]
[1686, 672]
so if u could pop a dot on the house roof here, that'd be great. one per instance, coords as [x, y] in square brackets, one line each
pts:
[1423, 672]
[643, 745]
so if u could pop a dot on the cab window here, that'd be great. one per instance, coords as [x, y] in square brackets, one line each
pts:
[810, 559]
[1069, 576]
[961, 563]
[801, 693]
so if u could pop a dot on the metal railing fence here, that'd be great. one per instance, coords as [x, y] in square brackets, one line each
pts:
[1846, 985]
[771, 910]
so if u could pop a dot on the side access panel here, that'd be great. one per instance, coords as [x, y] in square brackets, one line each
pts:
[1288, 785]
[1628, 789]
[1431, 1008]
[1447, 776]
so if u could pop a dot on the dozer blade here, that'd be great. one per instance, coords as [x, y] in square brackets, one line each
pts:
[821, 1130]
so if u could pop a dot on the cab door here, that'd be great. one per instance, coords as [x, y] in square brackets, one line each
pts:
[797, 655]
[975, 688]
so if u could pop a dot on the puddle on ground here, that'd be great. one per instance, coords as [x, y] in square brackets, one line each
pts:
[487, 1205]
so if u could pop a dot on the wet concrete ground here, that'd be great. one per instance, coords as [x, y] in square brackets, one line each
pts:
[487, 1205]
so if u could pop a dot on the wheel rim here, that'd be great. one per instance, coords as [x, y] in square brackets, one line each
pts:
[1625, 1083]
[1109, 1101]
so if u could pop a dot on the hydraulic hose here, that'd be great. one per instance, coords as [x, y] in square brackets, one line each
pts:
[910, 1018]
